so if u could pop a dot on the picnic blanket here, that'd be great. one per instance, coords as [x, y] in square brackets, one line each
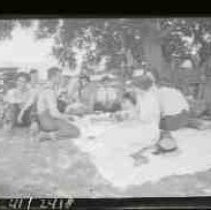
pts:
[117, 166]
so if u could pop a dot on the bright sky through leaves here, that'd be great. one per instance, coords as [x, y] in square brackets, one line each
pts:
[24, 51]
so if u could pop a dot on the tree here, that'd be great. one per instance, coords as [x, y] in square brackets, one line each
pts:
[83, 43]
[7, 26]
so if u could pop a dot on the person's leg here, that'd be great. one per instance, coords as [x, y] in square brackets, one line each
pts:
[11, 113]
[66, 130]
[47, 127]
[61, 128]
[27, 117]
[46, 122]
[174, 122]
[165, 144]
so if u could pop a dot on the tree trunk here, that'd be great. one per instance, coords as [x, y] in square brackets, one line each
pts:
[153, 49]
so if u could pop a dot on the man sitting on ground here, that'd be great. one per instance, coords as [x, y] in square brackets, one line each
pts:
[50, 119]
[174, 113]
[18, 112]
[174, 107]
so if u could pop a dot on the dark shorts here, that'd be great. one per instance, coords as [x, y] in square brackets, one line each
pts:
[174, 122]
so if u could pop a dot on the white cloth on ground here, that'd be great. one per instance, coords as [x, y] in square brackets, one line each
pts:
[118, 168]
[111, 151]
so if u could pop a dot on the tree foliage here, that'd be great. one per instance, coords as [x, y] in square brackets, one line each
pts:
[154, 40]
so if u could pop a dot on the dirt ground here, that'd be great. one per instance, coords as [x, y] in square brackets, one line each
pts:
[50, 169]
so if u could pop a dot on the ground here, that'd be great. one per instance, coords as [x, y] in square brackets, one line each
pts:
[42, 169]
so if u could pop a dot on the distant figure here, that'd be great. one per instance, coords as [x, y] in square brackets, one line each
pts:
[18, 111]
[88, 93]
[73, 89]
[81, 92]
[63, 99]
[50, 119]
[207, 96]
[128, 108]
[107, 97]
[34, 75]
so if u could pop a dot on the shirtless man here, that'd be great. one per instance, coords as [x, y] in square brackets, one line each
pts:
[49, 117]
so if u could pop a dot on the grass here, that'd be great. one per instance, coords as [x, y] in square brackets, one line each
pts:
[60, 169]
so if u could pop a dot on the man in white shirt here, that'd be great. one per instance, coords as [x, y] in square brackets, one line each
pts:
[49, 117]
[174, 107]
[17, 113]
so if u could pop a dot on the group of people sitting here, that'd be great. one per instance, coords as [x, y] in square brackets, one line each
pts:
[37, 105]
[44, 106]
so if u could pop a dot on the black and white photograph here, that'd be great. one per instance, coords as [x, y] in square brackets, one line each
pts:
[105, 107]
